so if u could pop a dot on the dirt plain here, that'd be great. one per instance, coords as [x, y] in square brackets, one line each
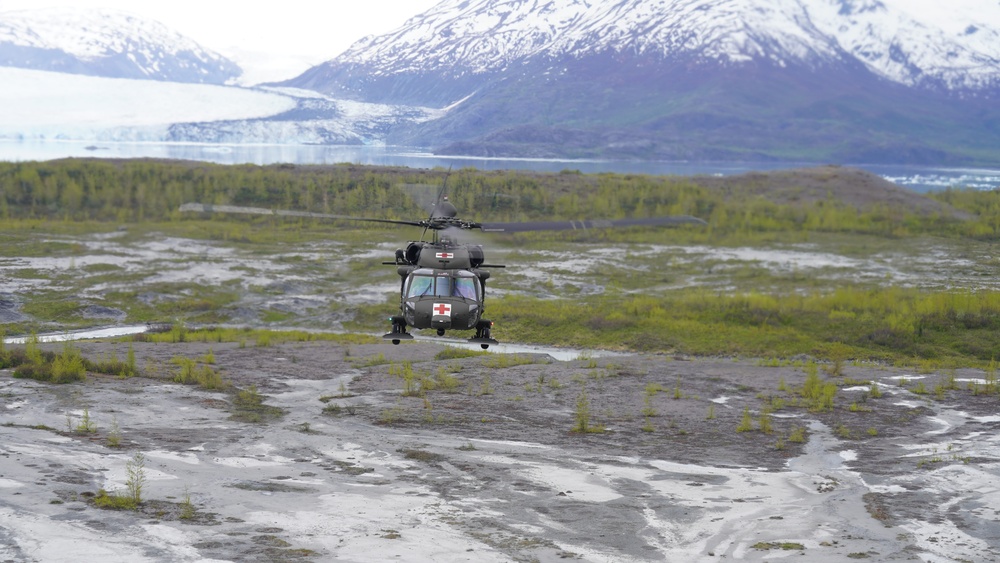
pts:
[482, 462]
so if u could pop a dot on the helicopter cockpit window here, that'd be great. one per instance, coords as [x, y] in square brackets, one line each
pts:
[464, 287]
[443, 288]
[420, 285]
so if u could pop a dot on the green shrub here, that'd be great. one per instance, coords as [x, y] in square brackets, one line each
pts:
[110, 501]
[746, 423]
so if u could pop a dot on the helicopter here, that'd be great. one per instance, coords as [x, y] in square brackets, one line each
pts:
[443, 281]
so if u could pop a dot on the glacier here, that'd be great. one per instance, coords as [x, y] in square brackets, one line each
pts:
[38, 104]
[34, 105]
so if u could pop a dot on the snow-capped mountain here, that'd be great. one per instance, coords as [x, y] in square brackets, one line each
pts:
[958, 52]
[811, 80]
[827, 79]
[106, 43]
[489, 35]
[462, 38]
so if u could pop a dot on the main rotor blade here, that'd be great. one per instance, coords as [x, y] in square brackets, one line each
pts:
[210, 208]
[671, 221]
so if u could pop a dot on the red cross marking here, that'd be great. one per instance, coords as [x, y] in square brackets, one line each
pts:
[446, 255]
[442, 309]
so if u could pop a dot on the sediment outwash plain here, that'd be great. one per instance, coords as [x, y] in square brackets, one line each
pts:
[372, 452]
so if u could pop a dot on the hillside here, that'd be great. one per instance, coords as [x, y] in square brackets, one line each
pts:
[849, 186]
[812, 80]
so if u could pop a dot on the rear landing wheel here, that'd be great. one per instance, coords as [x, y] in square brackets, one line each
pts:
[483, 329]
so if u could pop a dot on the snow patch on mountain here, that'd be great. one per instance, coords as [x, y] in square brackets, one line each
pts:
[458, 37]
[490, 35]
[108, 43]
[961, 50]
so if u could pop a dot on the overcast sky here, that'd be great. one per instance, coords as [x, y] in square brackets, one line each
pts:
[265, 35]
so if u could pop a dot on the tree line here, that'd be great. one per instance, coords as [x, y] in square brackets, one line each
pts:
[153, 190]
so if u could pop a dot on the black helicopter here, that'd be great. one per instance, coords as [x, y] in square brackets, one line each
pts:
[443, 282]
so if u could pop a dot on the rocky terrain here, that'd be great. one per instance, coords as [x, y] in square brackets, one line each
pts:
[373, 452]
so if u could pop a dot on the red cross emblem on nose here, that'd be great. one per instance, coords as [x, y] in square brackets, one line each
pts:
[445, 255]
[442, 309]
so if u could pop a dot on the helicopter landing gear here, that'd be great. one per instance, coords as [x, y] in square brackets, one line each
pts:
[483, 337]
[398, 330]
[440, 332]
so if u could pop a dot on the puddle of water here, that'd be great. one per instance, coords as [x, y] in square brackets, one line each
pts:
[558, 354]
[87, 334]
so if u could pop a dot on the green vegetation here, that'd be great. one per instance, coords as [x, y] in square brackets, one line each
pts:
[191, 373]
[112, 501]
[180, 333]
[764, 546]
[455, 353]
[819, 395]
[886, 324]
[760, 313]
[248, 406]
[66, 367]
[421, 455]
[145, 191]
[34, 363]
[418, 383]
[798, 435]
[503, 361]
[581, 416]
[87, 424]
[746, 423]
[114, 438]
[135, 482]
[113, 366]
[187, 507]
[135, 469]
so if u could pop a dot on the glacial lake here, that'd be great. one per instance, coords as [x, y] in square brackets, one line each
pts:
[918, 178]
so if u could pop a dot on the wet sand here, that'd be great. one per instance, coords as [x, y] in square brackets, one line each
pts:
[486, 466]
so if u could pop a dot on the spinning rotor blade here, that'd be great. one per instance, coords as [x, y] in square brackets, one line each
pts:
[209, 208]
[424, 195]
[590, 224]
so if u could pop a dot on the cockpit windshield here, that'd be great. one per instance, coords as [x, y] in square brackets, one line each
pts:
[464, 287]
[452, 284]
[420, 285]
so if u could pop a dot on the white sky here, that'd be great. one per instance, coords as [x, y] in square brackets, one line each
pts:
[263, 37]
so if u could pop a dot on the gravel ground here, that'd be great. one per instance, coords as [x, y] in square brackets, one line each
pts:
[388, 453]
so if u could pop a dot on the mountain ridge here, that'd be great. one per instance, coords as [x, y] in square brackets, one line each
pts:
[486, 37]
[107, 43]
[682, 79]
